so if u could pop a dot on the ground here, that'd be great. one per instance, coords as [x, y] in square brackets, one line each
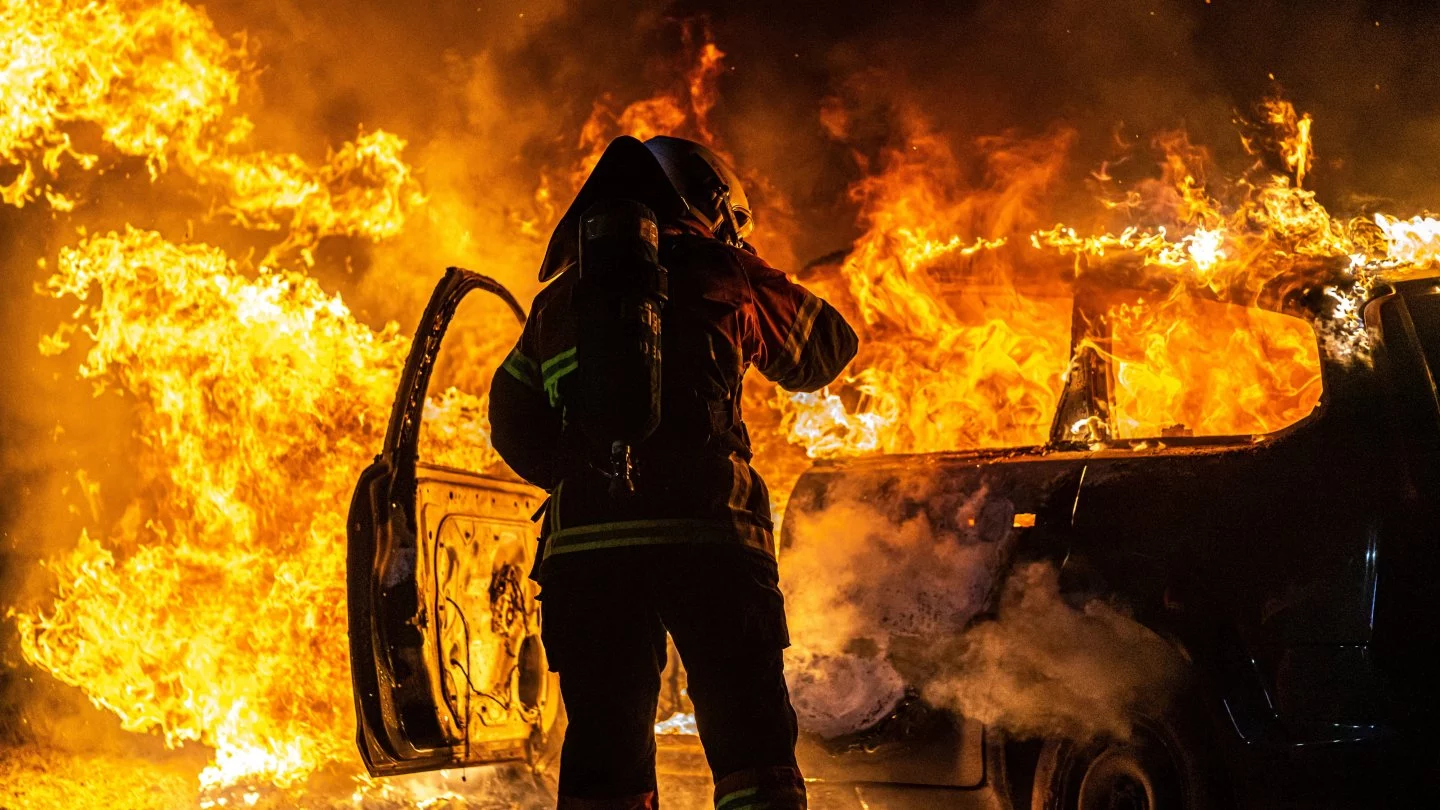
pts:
[40, 777]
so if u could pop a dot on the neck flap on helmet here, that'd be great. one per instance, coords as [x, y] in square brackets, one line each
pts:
[627, 170]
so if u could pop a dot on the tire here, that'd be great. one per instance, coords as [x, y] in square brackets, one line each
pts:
[1167, 763]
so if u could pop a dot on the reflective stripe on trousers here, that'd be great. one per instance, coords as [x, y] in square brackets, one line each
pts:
[657, 532]
[776, 788]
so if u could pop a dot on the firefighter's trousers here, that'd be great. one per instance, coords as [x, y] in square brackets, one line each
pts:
[605, 613]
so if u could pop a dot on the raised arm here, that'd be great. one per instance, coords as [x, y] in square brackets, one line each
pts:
[804, 342]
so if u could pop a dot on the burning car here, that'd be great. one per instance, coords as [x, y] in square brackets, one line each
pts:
[1285, 573]
[216, 344]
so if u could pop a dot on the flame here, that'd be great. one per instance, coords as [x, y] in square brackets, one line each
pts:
[943, 364]
[1413, 242]
[1294, 132]
[156, 78]
[211, 610]
[364, 190]
[1194, 367]
[935, 375]
[683, 110]
[161, 84]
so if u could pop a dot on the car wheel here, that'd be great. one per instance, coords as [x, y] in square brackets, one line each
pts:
[1163, 765]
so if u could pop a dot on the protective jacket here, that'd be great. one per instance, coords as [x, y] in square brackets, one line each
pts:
[727, 310]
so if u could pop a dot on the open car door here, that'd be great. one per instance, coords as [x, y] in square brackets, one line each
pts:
[445, 647]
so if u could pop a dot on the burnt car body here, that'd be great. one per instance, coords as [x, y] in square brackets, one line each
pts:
[1291, 571]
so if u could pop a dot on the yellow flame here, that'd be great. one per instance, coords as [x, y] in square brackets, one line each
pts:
[161, 83]
[212, 610]
[364, 190]
[1293, 129]
[155, 76]
[1414, 242]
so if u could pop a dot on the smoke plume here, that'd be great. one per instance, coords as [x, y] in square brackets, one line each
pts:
[882, 606]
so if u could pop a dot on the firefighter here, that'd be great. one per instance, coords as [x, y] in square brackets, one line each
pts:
[691, 549]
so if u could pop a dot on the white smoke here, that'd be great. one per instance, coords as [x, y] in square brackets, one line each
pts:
[883, 604]
[1044, 667]
[859, 585]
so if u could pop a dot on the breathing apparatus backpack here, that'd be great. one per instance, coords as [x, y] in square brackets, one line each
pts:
[620, 292]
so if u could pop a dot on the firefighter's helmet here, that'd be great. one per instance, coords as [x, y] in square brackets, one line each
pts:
[711, 189]
[674, 177]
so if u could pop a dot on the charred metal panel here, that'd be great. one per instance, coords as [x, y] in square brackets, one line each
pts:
[1407, 632]
[1325, 684]
[445, 625]
[445, 653]
[1268, 534]
[478, 607]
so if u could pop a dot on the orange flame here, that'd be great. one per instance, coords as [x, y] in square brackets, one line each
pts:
[953, 355]
[933, 376]
[211, 610]
[682, 110]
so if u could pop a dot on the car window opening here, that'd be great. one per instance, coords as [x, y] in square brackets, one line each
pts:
[454, 428]
[1188, 367]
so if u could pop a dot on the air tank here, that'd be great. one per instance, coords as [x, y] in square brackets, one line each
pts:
[620, 293]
